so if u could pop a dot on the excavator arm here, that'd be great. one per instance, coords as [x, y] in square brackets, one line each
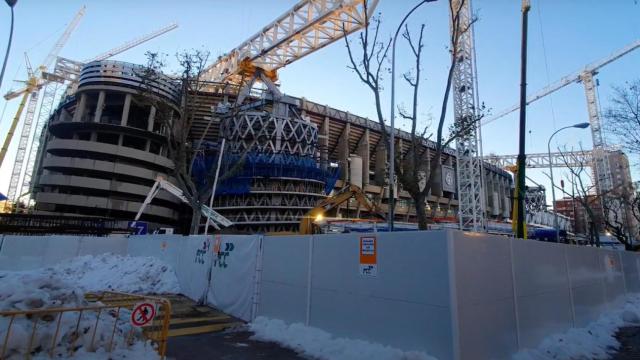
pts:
[348, 192]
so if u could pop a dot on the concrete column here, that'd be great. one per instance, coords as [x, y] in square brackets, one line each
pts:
[363, 152]
[80, 108]
[152, 118]
[125, 110]
[324, 143]
[99, 107]
[147, 145]
[344, 152]
[381, 164]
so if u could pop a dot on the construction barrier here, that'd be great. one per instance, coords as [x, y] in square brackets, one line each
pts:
[454, 295]
[217, 269]
[31, 252]
[103, 326]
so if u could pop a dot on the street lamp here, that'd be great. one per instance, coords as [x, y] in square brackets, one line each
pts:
[11, 4]
[583, 125]
[392, 155]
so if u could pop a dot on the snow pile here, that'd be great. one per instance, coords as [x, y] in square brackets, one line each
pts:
[319, 344]
[130, 274]
[64, 286]
[596, 341]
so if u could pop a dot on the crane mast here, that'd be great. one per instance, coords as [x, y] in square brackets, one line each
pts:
[600, 159]
[64, 70]
[469, 163]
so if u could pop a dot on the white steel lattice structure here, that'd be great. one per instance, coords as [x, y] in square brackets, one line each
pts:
[22, 147]
[542, 160]
[470, 195]
[266, 133]
[600, 160]
[46, 107]
[308, 26]
[601, 167]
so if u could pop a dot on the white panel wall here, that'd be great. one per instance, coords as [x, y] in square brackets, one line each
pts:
[30, 252]
[484, 294]
[511, 294]
[541, 290]
[406, 305]
[285, 270]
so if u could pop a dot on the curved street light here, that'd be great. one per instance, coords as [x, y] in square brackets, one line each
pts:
[583, 125]
[11, 4]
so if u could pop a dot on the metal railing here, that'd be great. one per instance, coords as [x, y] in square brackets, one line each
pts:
[103, 325]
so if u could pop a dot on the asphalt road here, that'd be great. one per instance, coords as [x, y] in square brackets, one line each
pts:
[227, 345]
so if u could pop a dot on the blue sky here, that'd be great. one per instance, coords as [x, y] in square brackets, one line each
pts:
[564, 36]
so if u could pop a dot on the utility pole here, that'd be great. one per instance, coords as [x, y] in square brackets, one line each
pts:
[521, 231]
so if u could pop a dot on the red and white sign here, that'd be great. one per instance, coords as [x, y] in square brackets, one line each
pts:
[143, 314]
[368, 256]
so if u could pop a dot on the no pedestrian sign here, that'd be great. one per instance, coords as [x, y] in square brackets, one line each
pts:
[143, 314]
[368, 256]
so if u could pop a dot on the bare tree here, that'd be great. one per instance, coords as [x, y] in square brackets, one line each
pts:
[623, 116]
[412, 166]
[177, 126]
[607, 210]
[585, 193]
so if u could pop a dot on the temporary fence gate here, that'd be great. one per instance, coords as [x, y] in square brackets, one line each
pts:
[103, 326]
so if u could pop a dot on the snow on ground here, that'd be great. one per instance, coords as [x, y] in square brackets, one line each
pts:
[319, 344]
[596, 341]
[64, 286]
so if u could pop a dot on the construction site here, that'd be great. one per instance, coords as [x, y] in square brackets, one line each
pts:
[245, 207]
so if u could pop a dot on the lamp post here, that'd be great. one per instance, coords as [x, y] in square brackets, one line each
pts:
[553, 189]
[11, 4]
[392, 155]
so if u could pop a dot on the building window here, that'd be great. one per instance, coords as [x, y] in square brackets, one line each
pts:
[134, 142]
[108, 138]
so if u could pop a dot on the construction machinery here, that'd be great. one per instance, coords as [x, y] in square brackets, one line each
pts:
[161, 183]
[305, 28]
[317, 214]
[48, 78]
[30, 92]
[603, 177]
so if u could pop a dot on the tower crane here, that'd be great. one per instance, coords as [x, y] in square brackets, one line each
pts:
[61, 74]
[465, 101]
[30, 92]
[64, 70]
[585, 75]
[305, 28]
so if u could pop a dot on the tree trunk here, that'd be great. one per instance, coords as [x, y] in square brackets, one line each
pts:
[421, 213]
[195, 220]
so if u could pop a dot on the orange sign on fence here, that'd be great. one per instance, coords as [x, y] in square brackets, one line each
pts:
[368, 256]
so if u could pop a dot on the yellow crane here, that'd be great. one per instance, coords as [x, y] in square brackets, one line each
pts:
[345, 194]
[30, 92]
[45, 74]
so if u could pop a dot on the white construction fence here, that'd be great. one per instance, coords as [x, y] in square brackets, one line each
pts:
[451, 294]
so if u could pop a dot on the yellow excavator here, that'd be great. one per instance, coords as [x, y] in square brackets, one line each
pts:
[307, 225]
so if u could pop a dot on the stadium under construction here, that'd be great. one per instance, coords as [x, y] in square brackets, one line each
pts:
[103, 148]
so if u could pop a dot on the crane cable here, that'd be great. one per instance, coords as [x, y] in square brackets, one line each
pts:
[546, 63]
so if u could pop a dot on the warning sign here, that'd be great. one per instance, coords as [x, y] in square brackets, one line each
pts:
[368, 256]
[143, 314]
